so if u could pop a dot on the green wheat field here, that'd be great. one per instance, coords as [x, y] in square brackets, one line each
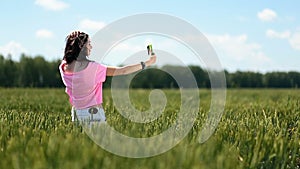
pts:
[260, 128]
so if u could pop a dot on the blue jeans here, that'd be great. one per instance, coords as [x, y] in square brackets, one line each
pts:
[91, 114]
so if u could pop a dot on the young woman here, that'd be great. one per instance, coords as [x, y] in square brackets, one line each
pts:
[83, 78]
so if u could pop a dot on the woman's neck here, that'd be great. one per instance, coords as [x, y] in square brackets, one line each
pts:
[76, 65]
[82, 58]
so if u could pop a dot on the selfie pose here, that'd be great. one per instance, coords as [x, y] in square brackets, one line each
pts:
[84, 78]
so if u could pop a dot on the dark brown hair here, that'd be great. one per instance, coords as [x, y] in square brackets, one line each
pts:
[75, 46]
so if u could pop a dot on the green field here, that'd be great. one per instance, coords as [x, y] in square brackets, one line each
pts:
[259, 129]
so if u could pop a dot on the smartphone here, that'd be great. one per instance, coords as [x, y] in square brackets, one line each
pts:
[150, 50]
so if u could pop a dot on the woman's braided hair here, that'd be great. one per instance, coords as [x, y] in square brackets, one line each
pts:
[75, 45]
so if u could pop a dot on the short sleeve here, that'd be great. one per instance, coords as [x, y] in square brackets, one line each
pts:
[101, 73]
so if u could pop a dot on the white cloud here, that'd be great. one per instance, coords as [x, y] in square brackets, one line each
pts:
[237, 52]
[267, 15]
[13, 48]
[281, 35]
[295, 40]
[292, 38]
[90, 25]
[54, 5]
[44, 33]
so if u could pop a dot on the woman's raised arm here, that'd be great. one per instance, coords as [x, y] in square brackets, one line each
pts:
[124, 70]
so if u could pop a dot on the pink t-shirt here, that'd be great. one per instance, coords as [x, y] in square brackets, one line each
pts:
[84, 87]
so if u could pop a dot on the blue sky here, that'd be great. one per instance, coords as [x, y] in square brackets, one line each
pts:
[247, 35]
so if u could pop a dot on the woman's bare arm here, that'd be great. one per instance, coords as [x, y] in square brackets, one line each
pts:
[116, 71]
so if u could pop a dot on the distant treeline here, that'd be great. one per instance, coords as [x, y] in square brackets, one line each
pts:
[37, 72]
